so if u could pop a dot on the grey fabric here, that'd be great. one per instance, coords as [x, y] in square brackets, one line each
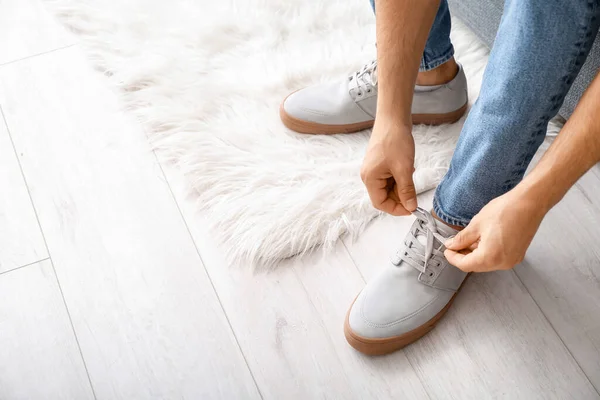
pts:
[483, 17]
[441, 99]
[585, 77]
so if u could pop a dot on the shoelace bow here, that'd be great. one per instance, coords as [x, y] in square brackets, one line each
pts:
[415, 253]
[365, 78]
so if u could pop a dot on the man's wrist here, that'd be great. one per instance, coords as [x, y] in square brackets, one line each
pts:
[387, 129]
[394, 117]
[537, 193]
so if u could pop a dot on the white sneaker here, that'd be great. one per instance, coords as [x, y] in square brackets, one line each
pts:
[406, 300]
[349, 105]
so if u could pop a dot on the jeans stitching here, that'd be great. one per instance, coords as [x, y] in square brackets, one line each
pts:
[427, 64]
[437, 208]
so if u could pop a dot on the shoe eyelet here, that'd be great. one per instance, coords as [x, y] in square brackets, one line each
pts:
[359, 94]
[431, 274]
[368, 90]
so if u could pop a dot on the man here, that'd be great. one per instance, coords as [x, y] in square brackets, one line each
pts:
[539, 49]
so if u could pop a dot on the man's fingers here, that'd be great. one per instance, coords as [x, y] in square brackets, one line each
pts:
[399, 209]
[453, 257]
[405, 189]
[378, 190]
[463, 239]
[472, 261]
[473, 246]
[408, 196]
[394, 208]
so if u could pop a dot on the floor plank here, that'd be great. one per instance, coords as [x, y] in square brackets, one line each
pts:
[20, 236]
[146, 314]
[26, 28]
[39, 357]
[289, 323]
[562, 272]
[147, 318]
[494, 342]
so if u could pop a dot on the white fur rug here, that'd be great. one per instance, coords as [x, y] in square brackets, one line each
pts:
[206, 79]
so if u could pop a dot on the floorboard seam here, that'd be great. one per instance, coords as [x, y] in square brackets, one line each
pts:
[36, 55]
[353, 261]
[48, 252]
[205, 270]
[23, 266]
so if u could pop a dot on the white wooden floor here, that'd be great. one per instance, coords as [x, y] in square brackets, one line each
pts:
[111, 287]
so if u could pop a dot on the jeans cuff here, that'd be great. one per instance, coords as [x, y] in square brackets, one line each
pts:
[427, 64]
[444, 216]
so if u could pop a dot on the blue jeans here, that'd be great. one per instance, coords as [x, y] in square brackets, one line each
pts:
[539, 50]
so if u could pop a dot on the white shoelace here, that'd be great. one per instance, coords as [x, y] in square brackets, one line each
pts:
[415, 253]
[365, 78]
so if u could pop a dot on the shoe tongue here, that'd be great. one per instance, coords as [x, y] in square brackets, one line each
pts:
[368, 74]
[372, 77]
[444, 229]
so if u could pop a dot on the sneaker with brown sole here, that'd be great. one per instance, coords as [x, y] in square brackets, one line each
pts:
[406, 300]
[349, 105]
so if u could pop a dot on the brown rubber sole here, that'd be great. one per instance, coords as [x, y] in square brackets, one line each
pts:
[314, 128]
[381, 346]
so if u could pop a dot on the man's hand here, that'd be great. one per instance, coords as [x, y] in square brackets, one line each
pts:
[402, 28]
[388, 167]
[498, 237]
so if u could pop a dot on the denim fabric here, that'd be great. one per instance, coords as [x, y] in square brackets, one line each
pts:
[539, 49]
[438, 48]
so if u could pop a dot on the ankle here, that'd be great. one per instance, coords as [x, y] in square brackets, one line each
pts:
[439, 75]
[458, 228]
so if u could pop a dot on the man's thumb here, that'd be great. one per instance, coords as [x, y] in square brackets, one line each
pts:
[463, 239]
[407, 194]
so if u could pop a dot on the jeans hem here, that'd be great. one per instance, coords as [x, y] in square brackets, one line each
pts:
[444, 216]
[427, 65]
